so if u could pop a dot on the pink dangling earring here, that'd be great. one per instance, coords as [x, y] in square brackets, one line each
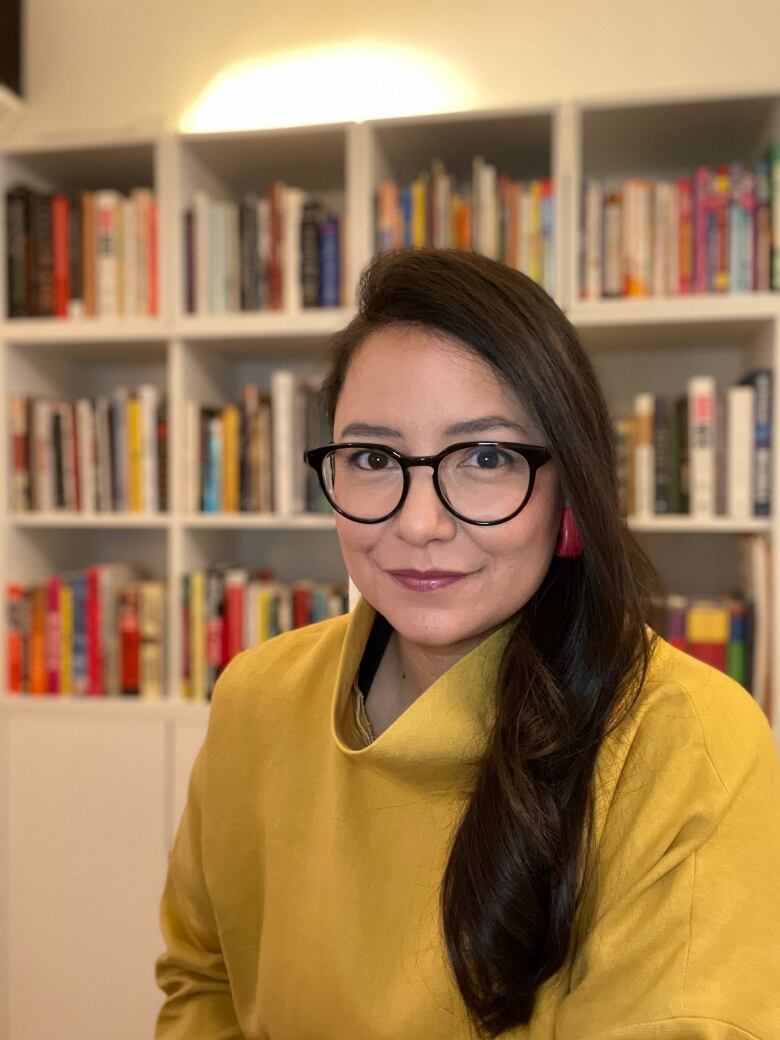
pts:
[569, 543]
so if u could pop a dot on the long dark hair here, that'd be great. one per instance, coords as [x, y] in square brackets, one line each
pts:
[520, 858]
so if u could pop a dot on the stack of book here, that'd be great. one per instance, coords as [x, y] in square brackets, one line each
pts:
[93, 632]
[249, 456]
[732, 633]
[227, 609]
[281, 251]
[706, 453]
[91, 254]
[709, 230]
[506, 220]
[107, 454]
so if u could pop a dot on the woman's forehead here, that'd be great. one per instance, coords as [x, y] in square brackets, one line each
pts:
[421, 377]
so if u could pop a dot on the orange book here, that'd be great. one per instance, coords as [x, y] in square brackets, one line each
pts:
[135, 452]
[231, 462]
[37, 649]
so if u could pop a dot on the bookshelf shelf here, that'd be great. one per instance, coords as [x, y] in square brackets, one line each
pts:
[71, 706]
[95, 330]
[261, 325]
[90, 520]
[253, 521]
[702, 310]
[694, 525]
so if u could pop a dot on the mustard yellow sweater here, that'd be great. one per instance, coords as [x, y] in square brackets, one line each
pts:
[302, 895]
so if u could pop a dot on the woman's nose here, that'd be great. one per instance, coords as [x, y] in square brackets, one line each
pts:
[423, 515]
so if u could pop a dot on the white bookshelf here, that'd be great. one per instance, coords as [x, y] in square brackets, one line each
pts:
[644, 344]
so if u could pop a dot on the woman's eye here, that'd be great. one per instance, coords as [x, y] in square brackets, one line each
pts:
[487, 458]
[370, 460]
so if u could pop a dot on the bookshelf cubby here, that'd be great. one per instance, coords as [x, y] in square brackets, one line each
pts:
[645, 344]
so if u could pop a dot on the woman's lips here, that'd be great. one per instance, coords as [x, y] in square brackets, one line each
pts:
[426, 581]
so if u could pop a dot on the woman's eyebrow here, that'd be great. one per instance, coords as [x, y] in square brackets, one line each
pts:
[468, 426]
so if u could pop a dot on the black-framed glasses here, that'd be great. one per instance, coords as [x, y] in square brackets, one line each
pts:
[479, 482]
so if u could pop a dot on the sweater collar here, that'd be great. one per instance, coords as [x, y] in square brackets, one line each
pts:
[443, 734]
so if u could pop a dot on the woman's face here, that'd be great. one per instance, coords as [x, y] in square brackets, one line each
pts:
[414, 385]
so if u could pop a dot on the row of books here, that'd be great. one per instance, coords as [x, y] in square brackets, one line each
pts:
[87, 254]
[716, 630]
[707, 452]
[716, 230]
[107, 454]
[93, 632]
[280, 251]
[227, 609]
[507, 220]
[248, 456]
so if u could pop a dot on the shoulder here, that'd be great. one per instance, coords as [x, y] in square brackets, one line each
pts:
[691, 739]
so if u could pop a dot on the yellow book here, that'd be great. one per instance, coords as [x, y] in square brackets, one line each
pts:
[265, 605]
[231, 460]
[135, 452]
[198, 690]
[66, 638]
[707, 622]
[419, 214]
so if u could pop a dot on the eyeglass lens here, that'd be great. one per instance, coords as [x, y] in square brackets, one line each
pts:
[480, 483]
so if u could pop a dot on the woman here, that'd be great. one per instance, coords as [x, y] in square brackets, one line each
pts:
[489, 799]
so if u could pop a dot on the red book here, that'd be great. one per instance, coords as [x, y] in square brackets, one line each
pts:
[53, 640]
[235, 594]
[129, 638]
[301, 606]
[60, 213]
[15, 640]
[93, 624]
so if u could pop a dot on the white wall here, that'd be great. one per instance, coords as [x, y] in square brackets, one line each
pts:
[137, 65]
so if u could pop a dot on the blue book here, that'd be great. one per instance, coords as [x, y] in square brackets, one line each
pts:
[330, 263]
[761, 380]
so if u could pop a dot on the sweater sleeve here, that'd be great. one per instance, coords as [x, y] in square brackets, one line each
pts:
[683, 937]
[192, 971]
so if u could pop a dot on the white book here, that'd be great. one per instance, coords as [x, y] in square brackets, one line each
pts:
[68, 449]
[292, 215]
[85, 444]
[121, 458]
[288, 417]
[441, 187]
[201, 205]
[659, 205]
[593, 259]
[107, 255]
[644, 455]
[149, 400]
[130, 254]
[192, 461]
[103, 440]
[143, 199]
[740, 427]
[701, 445]
[43, 454]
